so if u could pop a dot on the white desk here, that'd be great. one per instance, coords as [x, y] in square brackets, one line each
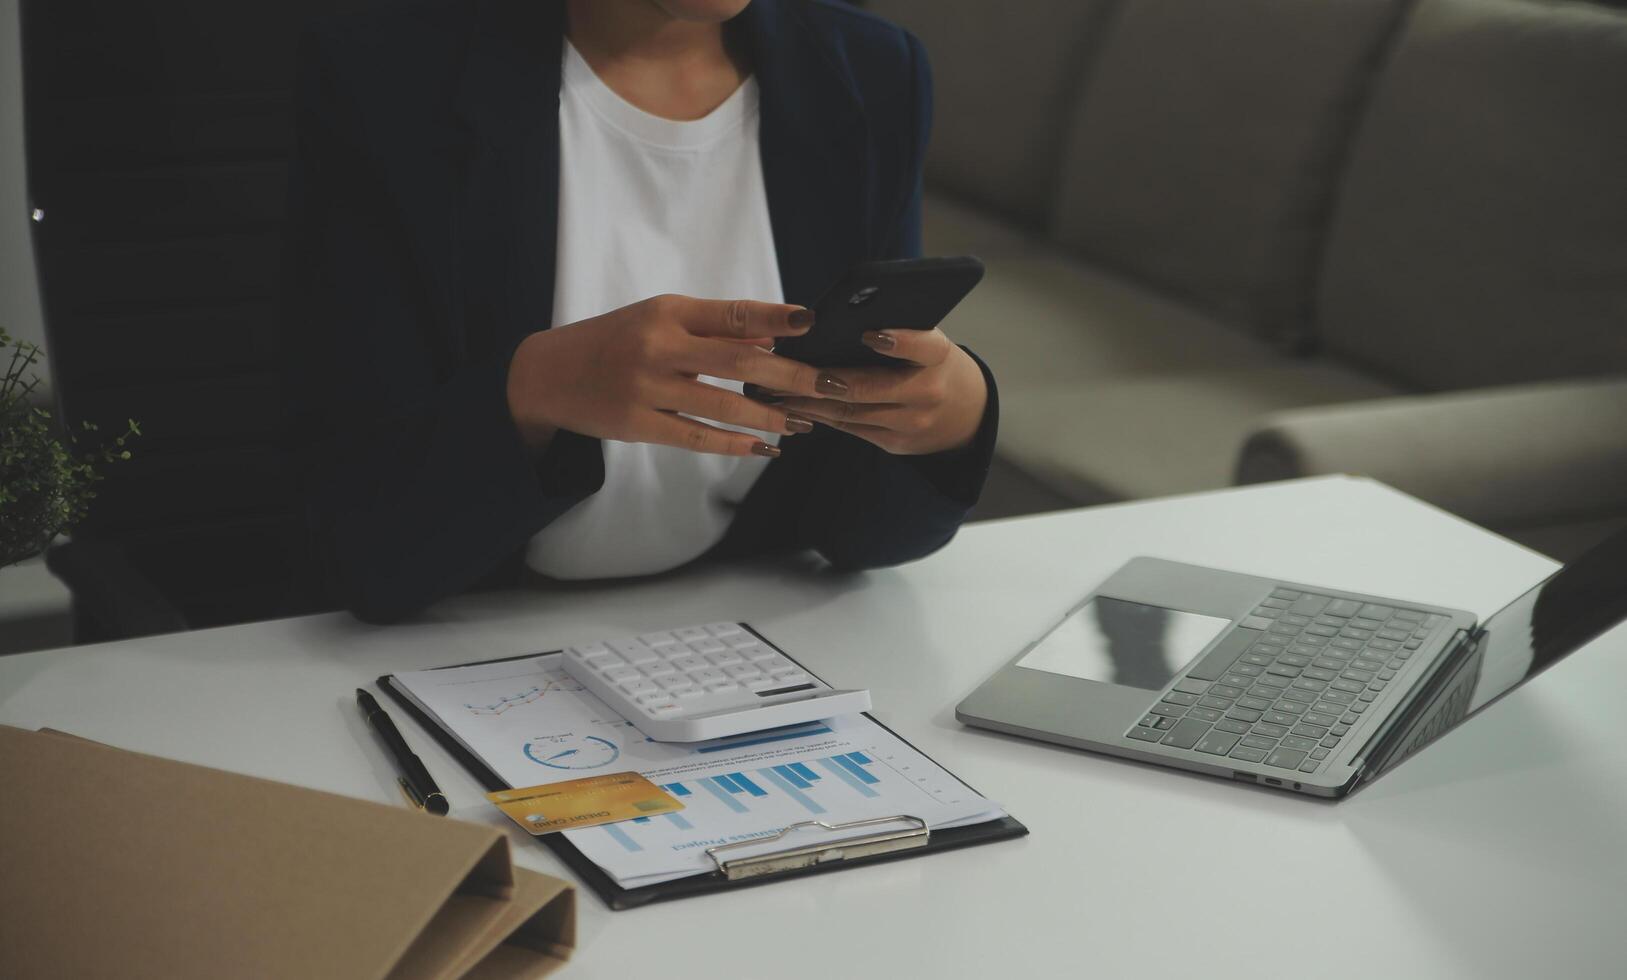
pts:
[1498, 852]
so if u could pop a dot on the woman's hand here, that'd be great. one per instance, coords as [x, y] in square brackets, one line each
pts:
[931, 402]
[628, 374]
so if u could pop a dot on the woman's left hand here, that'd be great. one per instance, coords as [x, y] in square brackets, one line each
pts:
[932, 402]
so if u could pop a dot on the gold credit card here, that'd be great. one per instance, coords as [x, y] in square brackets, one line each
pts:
[584, 802]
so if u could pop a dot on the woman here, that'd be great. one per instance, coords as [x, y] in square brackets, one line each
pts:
[663, 183]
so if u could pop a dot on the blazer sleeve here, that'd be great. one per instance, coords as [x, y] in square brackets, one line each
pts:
[857, 505]
[416, 482]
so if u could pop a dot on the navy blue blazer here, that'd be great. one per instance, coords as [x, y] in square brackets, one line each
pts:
[423, 216]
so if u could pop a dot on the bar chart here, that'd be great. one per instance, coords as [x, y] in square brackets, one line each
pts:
[788, 792]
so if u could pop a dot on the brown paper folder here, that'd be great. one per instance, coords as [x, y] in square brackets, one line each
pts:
[114, 863]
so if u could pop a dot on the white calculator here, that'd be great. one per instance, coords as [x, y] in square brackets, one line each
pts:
[701, 682]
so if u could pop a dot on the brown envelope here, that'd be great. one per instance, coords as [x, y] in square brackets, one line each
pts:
[114, 863]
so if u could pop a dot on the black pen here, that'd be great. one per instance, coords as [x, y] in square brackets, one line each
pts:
[414, 778]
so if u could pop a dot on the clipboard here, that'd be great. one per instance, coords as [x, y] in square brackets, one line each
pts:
[837, 853]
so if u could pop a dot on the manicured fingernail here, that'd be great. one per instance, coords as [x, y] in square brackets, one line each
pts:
[829, 385]
[797, 424]
[764, 449]
[800, 319]
[879, 340]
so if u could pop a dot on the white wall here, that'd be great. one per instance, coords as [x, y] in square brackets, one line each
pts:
[19, 290]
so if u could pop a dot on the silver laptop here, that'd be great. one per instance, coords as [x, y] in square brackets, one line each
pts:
[1299, 687]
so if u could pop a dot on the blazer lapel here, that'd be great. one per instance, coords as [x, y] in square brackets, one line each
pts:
[505, 208]
[813, 142]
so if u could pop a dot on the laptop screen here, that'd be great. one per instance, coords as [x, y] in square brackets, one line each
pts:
[1526, 637]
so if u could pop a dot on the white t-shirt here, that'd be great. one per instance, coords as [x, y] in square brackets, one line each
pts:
[647, 206]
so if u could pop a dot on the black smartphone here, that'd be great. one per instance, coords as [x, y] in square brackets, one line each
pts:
[903, 294]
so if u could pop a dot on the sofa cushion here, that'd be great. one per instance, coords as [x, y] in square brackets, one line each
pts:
[1204, 151]
[1159, 434]
[1482, 235]
[949, 227]
[1041, 316]
[1003, 74]
[1108, 388]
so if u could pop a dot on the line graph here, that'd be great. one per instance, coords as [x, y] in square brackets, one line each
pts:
[534, 693]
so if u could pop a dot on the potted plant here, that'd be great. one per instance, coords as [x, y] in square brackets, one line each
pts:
[47, 472]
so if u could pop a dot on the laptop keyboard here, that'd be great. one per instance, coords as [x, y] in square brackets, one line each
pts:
[1286, 687]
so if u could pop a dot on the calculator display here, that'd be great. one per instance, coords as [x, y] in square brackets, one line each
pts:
[1119, 642]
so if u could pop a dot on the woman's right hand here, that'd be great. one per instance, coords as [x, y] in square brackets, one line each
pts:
[627, 374]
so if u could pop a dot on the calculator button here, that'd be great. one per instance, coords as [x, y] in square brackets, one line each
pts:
[724, 658]
[689, 633]
[717, 687]
[707, 675]
[788, 675]
[628, 645]
[687, 692]
[637, 685]
[662, 710]
[639, 658]
[755, 651]
[741, 672]
[652, 697]
[708, 646]
[741, 640]
[659, 668]
[656, 639]
[622, 673]
[756, 683]
[670, 681]
[724, 629]
[689, 662]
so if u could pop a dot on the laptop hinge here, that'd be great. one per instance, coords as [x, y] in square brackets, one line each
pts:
[1383, 740]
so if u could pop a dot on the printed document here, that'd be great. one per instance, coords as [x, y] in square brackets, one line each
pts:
[532, 724]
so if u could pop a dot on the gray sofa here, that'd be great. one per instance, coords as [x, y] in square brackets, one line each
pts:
[1246, 240]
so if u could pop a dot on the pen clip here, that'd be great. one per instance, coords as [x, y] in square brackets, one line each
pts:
[413, 799]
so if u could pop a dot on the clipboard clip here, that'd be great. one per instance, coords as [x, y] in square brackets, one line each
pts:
[806, 856]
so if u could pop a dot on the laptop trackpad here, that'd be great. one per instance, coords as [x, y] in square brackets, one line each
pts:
[1116, 641]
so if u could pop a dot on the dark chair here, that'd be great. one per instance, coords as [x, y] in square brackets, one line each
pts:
[157, 133]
